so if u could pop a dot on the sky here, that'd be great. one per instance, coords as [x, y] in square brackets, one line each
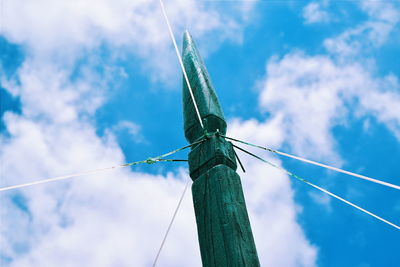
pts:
[91, 84]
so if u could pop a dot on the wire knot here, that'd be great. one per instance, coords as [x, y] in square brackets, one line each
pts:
[151, 160]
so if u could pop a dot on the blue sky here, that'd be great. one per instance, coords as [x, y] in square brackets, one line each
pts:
[93, 84]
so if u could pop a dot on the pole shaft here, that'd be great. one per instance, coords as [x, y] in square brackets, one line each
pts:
[223, 225]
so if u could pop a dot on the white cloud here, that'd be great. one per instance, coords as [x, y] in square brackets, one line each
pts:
[133, 129]
[319, 95]
[383, 19]
[116, 218]
[308, 95]
[313, 94]
[314, 13]
[269, 198]
[268, 134]
[109, 219]
[47, 92]
[66, 30]
[306, 99]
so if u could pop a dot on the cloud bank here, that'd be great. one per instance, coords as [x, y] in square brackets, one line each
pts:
[118, 218]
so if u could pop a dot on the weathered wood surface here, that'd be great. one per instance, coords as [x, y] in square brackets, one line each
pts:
[223, 226]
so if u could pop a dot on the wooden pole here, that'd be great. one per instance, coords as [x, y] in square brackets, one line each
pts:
[223, 226]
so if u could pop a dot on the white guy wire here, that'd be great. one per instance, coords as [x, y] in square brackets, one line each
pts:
[181, 63]
[319, 188]
[353, 205]
[148, 161]
[170, 224]
[339, 170]
[319, 164]
[60, 178]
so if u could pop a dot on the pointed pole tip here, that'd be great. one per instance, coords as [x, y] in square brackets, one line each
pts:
[187, 38]
[187, 41]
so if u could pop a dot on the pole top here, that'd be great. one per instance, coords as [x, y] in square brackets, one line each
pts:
[204, 93]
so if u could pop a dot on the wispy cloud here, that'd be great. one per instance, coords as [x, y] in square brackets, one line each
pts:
[314, 13]
[383, 19]
[66, 31]
[320, 94]
[102, 220]
[314, 93]
[134, 130]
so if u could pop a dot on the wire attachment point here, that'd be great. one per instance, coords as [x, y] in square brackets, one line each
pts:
[151, 160]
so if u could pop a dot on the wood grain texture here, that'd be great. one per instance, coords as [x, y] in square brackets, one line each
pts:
[223, 225]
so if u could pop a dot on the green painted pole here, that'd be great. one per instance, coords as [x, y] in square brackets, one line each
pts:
[223, 225]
